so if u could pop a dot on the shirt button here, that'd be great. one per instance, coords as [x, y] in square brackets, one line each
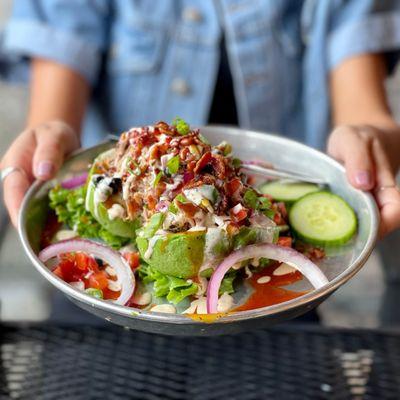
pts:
[180, 86]
[191, 14]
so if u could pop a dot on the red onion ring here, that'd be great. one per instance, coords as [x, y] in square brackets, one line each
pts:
[75, 182]
[271, 251]
[125, 276]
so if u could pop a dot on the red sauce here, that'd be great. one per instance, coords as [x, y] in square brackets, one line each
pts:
[268, 294]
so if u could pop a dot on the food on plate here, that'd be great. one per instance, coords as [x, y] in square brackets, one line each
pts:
[166, 222]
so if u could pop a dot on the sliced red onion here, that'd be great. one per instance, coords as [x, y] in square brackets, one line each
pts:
[162, 206]
[271, 251]
[125, 276]
[260, 163]
[75, 182]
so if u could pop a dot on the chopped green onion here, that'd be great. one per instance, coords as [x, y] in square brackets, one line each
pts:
[181, 126]
[237, 163]
[250, 199]
[173, 208]
[181, 198]
[157, 179]
[206, 273]
[97, 293]
[173, 164]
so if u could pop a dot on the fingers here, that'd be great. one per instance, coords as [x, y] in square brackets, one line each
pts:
[18, 155]
[387, 197]
[15, 186]
[54, 140]
[39, 152]
[352, 146]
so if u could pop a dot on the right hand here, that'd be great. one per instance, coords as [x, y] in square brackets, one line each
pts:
[38, 151]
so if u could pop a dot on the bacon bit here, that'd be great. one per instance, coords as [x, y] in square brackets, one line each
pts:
[285, 241]
[202, 163]
[218, 164]
[132, 208]
[188, 208]
[282, 209]
[151, 202]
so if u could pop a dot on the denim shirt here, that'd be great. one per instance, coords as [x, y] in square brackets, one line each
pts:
[151, 60]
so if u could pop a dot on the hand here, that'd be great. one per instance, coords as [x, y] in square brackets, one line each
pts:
[39, 152]
[371, 157]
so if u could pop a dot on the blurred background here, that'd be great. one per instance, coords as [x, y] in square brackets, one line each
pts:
[25, 296]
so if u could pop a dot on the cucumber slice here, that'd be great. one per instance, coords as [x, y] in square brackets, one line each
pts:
[287, 191]
[323, 219]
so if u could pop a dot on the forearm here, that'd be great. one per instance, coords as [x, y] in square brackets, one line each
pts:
[358, 95]
[56, 93]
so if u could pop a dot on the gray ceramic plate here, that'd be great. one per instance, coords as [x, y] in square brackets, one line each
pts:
[339, 267]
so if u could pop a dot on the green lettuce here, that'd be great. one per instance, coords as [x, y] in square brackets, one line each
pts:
[69, 206]
[174, 289]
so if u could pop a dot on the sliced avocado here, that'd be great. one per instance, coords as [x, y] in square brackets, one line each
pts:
[175, 254]
[117, 226]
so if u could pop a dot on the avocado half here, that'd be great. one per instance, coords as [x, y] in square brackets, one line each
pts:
[176, 254]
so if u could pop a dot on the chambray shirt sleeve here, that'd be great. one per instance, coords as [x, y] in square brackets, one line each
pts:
[363, 26]
[70, 32]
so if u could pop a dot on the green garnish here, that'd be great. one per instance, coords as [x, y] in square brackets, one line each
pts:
[173, 164]
[174, 289]
[260, 203]
[181, 198]
[203, 139]
[137, 171]
[69, 206]
[237, 163]
[97, 293]
[206, 273]
[181, 126]
[173, 208]
[227, 282]
[157, 179]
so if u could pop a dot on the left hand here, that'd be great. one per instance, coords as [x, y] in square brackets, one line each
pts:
[371, 157]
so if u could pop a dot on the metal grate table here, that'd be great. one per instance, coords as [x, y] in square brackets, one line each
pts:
[288, 362]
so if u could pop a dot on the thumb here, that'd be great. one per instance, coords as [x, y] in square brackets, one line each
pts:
[53, 141]
[348, 145]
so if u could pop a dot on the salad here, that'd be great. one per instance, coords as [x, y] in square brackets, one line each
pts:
[166, 222]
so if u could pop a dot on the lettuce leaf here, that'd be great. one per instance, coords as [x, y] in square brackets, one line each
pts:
[69, 206]
[227, 282]
[174, 289]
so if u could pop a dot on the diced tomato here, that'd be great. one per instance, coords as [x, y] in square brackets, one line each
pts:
[285, 241]
[240, 215]
[57, 271]
[110, 295]
[98, 280]
[85, 263]
[68, 270]
[133, 259]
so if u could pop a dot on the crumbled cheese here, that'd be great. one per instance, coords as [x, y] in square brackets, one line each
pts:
[225, 303]
[103, 190]
[78, 285]
[284, 269]
[114, 286]
[164, 308]
[202, 305]
[142, 299]
[263, 279]
[65, 234]
[116, 211]
[110, 271]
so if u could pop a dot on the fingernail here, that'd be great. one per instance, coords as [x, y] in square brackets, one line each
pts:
[363, 178]
[44, 169]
